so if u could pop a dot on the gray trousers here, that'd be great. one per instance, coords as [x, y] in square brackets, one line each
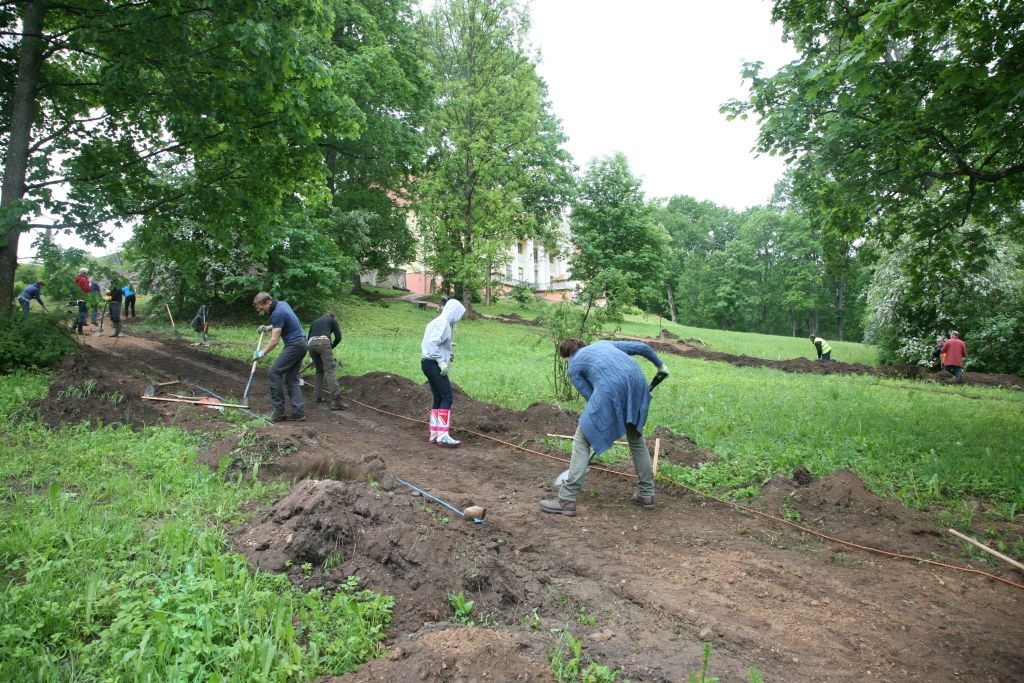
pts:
[326, 367]
[284, 376]
[580, 461]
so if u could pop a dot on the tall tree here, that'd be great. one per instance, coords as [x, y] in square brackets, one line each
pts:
[496, 169]
[614, 231]
[167, 109]
[696, 228]
[901, 116]
[370, 175]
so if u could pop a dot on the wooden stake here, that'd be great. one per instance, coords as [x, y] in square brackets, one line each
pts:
[171, 317]
[657, 449]
[984, 547]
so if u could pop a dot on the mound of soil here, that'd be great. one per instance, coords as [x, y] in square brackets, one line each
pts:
[779, 584]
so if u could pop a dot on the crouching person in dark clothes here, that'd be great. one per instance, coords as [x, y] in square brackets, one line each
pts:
[284, 373]
[324, 335]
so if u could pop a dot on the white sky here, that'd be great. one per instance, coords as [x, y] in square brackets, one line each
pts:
[646, 78]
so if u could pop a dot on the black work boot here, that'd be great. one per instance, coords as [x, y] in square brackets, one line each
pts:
[338, 404]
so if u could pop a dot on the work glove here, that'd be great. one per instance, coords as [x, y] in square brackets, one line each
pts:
[444, 368]
[663, 369]
[264, 328]
[256, 355]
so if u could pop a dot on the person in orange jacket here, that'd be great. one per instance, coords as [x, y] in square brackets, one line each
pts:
[953, 353]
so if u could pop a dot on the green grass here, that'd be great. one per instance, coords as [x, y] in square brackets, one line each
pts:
[769, 347]
[925, 443]
[765, 346]
[922, 442]
[116, 566]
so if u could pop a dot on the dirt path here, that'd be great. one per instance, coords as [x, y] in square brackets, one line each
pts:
[642, 590]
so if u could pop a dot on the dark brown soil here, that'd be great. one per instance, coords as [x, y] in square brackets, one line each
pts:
[642, 590]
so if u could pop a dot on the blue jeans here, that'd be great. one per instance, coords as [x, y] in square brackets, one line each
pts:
[284, 376]
[955, 370]
[580, 461]
[440, 385]
[24, 305]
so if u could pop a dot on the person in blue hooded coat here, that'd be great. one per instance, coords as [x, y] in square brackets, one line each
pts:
[618, 398]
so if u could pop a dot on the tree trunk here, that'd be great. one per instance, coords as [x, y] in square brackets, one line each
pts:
[23, 111]
[671, 303]
[840, 306]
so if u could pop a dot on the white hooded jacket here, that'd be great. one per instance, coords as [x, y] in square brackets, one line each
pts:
[437, 338]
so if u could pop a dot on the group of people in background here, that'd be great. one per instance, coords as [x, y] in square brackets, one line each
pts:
[93, 299]
[949, 354]
[116, 299]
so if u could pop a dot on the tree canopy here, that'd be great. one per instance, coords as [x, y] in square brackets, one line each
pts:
[176, 110]
[900, 116]
[617, 240]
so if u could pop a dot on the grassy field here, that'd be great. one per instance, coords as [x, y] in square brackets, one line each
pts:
[764, 346]
[922, 442]
[117, 567]
[925, 443]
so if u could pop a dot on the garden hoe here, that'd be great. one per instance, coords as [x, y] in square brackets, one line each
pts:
[245, 394]
[655, 381]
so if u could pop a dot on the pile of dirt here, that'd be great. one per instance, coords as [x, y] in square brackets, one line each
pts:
[643, 591]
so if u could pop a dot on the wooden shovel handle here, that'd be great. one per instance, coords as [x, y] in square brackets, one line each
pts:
[201, 402]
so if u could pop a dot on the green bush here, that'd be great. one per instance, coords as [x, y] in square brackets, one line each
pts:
[36, 341]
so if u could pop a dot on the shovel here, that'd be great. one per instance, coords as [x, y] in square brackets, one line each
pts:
[245, 394]
[152, 389]
[103, 317]
[655, 381]
[211, 402]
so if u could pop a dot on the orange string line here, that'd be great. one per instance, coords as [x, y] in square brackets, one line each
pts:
[731, 504]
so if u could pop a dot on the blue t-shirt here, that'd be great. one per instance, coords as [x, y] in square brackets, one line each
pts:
[282, 315]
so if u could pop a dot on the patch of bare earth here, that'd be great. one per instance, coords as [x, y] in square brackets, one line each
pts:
[643, 590]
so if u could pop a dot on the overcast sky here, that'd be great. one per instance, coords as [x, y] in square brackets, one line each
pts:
[646, 78]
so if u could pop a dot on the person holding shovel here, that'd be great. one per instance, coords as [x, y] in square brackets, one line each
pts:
[435, 361]
[618, 398]
[324, 335]
[114, 298]
[284, 373]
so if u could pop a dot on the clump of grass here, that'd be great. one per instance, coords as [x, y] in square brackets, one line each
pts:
[116, 567]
